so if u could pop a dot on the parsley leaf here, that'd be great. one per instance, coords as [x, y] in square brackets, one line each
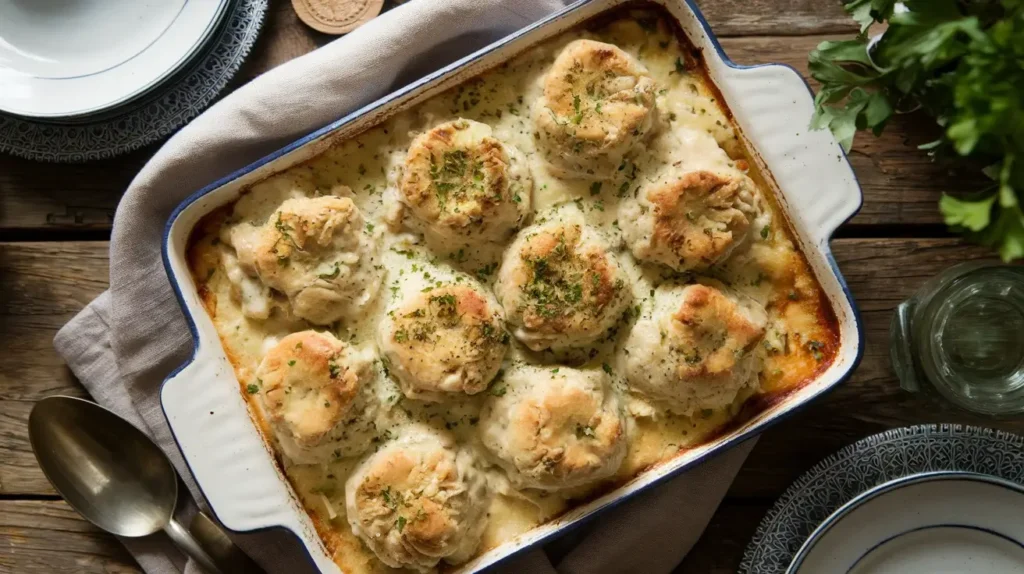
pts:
[961, 62]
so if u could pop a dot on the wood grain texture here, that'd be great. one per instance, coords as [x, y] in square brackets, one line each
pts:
[776, 17]
[47, 536]
[42, 286]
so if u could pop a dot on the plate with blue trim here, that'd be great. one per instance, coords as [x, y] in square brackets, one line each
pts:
[150, 117]
[932, 498]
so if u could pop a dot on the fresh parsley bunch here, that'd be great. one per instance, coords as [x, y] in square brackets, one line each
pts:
[961, 62]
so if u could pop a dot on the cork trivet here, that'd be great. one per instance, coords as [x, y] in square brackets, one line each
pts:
[336, 16]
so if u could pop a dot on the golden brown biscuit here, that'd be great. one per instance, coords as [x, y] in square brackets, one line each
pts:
[695, 351]
[555, 427]
[561, 286]
[598, 103]
[418, 500]
[463, 185]
[690, 222]
[450, 339]
[311, 388]
[316, 251]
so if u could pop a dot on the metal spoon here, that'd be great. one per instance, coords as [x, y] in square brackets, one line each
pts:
[118, 479]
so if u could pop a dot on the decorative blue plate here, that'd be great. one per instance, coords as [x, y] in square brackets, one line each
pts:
[869, 463]
[153, 116]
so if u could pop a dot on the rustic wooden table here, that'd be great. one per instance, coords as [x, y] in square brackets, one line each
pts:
[55, 223]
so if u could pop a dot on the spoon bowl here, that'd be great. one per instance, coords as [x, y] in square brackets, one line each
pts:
[104, 467]
[119, 479]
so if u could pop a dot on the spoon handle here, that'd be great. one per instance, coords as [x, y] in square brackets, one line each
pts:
[181, 537]
[215, 541]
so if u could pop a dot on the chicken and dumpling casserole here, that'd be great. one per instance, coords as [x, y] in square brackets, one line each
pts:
[510, 298]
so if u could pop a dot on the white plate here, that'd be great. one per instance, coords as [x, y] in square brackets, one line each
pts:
[933, 523]
[66, 58]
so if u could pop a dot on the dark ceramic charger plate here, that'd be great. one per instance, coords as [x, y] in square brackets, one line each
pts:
[869, 463]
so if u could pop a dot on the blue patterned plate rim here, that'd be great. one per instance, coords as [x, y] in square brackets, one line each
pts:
[868, 464]
[886, 488]
[144, 122]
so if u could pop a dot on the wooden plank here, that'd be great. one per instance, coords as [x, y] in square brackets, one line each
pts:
[43, 286]
[776, 17]
[47, 536]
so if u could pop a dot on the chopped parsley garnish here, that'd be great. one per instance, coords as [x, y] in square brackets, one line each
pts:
[252, 389]
[606, 367]
[595, 188]
[764, 232]
[400, 523]
[457, 174]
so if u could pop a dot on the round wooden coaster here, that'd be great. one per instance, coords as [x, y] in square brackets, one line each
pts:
[336, 16]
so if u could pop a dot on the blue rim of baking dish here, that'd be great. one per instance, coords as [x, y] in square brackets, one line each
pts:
[432, 77]
[893, 486]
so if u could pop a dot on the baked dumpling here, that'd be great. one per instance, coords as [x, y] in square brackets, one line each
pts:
[316, 251]
[696, 350]
[418, 500]
[313, 391]
[555, 427]
[598, 103]
[462, 185]
[561, 285]
[450, 339]
[690, 222]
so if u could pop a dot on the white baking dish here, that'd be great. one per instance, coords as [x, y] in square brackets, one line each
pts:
[772, 105]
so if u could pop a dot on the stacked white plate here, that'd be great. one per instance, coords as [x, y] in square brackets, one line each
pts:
[68, 59]
[87, 79]
[931, 499]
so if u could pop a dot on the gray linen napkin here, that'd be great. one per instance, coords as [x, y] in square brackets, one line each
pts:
[125, 342]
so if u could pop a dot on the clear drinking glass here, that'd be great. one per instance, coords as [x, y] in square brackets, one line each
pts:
[962, 336]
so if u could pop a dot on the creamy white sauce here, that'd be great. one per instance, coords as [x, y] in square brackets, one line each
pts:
[694, 135]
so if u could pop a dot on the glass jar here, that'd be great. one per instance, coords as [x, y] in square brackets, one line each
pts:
[962, 336]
